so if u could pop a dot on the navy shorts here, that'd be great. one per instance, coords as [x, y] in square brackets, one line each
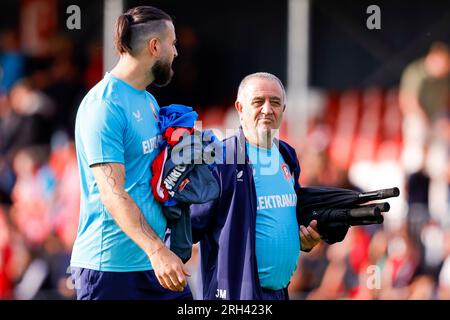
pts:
[139, 285]
[281, 294]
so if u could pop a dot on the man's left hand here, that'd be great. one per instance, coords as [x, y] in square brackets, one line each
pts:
[309, 236]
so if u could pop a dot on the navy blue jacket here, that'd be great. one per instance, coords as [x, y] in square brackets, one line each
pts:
[226, 227]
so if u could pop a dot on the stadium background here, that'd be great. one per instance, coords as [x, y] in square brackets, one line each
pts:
[343, 117]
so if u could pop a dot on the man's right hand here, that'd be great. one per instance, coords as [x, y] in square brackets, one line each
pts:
[169, 269]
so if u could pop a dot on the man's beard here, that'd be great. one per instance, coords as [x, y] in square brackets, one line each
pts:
[162, 73]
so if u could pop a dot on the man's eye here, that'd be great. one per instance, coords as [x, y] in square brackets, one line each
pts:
[276, 103]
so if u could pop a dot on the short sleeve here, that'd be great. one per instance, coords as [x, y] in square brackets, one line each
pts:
[102, 132]
[411, 79]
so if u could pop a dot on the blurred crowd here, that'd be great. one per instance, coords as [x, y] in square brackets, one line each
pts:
[39, 186]
[359, 139]
[379, 139]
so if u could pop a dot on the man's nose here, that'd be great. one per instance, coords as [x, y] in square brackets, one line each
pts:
[175, 53]
[267, 108]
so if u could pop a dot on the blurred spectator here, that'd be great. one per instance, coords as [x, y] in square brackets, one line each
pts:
[28, 122]
[33, 277]
[32, 195]
[400, 267]
[378, 253]
[45, 212]
[432, 256]
[424, 87]
[46, 276]
[309, 273]
[12, 61]
[417, 192]
[423, 97]
[357, 263]
[66, 202]
[332, 281]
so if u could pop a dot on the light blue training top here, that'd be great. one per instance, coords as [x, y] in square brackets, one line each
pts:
[115, 123]
[277, 234]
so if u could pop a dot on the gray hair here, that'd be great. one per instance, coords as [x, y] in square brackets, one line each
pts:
[261, 75]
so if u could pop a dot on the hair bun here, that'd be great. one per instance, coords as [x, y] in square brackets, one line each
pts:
[142, 14]
[129, 18]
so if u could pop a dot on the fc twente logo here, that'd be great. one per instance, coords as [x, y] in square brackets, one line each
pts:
[286, 173]
[154, 111]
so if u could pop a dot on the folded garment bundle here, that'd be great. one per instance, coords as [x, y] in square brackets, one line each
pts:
[180, 174]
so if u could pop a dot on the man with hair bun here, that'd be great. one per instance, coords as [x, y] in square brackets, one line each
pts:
[119, 252]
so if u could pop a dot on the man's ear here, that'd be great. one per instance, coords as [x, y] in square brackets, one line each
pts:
[153, 47]
[284, 107]
[238, 106]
